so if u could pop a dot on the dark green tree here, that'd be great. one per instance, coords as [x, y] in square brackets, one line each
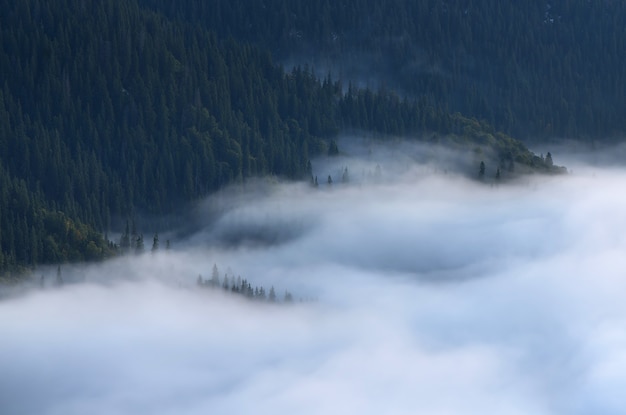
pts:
[333, 149]
[139, 245]
[125, 239]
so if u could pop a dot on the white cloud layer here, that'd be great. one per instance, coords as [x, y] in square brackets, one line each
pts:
[433, 295]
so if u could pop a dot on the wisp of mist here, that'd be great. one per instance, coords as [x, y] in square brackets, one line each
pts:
[416, 290]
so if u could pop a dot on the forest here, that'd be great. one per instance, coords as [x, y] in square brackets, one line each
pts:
[113, 110]
[534, 69]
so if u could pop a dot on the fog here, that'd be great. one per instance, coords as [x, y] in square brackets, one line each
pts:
[423, 292]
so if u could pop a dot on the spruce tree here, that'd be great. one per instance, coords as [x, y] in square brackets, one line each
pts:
[59, 277]
[155, 243]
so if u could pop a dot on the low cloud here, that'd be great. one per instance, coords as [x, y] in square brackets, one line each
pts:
[424, 292]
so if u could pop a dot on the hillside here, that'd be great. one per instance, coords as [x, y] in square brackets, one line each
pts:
[111, 110]
[534, 69]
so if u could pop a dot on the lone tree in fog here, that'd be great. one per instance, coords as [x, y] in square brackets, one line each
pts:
[272, 295]
[288, 297]
[345, 178]
[59, 279]
[481, 170]
[215, 276]
[155, 242]
[330, 179]
[548, 160]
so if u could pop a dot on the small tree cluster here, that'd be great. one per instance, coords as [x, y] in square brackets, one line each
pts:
[241, 286]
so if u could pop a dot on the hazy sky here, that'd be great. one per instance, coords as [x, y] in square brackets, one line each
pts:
[432, 295]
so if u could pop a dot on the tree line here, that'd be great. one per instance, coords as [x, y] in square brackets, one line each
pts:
[239, 286]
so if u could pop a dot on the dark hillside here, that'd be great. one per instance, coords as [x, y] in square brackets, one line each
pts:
[109, 110]
[531, 68]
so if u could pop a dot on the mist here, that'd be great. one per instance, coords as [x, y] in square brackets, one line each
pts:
[417, 290]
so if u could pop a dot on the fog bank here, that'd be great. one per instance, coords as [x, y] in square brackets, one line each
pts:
[424, 292]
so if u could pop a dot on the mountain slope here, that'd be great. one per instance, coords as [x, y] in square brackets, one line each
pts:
[532, 68]
[110, 110]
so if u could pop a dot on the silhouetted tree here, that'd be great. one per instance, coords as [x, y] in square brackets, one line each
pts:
[59, 278]
[139, 246]
[125, 239]
[215, 276]
[333, 149]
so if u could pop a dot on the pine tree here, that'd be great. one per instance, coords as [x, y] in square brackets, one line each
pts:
[139, 246]
[288, 297]
[155, 243]
[125, 239]
[59, 278]
[215, 276]
[333, 149]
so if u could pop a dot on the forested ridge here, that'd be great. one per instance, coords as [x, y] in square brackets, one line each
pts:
[110, 110]
[535, 68]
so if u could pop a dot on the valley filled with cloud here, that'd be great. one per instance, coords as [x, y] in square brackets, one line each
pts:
[416, 290]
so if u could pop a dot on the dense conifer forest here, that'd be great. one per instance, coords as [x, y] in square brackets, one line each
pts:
[532, 68]
[115, 109]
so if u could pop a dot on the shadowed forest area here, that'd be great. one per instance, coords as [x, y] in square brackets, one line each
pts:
[111, 111]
